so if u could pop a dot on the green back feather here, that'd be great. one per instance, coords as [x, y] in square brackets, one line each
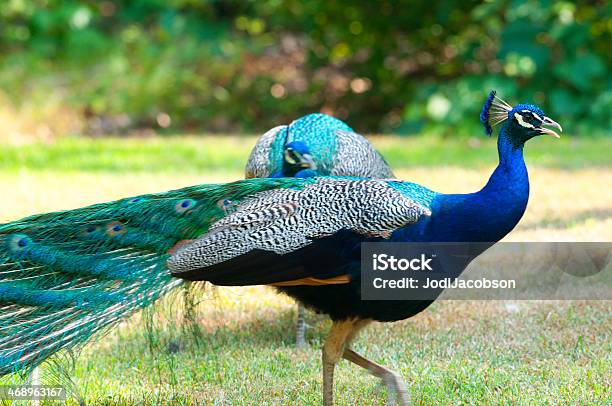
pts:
[65, 276]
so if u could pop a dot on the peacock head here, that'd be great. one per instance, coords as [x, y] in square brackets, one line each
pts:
[521, 122]
[297, 157]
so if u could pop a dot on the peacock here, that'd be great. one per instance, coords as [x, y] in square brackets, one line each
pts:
[314, 145]
[65, 276]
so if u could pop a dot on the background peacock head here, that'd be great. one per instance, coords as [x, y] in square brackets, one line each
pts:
[521, 122]
[297, 158]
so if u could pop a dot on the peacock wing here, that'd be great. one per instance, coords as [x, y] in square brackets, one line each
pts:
[286, 234]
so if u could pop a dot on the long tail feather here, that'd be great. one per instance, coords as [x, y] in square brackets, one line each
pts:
[66, 276]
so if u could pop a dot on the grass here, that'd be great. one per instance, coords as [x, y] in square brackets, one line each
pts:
[456, 352]
[205, 154]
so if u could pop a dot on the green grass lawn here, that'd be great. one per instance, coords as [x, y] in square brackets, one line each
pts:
[456, 352]
[210, 153]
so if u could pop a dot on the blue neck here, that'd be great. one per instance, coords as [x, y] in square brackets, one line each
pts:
[510, 179]
[487, 215]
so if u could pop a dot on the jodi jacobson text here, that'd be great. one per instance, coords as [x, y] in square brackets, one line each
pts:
[445, 283]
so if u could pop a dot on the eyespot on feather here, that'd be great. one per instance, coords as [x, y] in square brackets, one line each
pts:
[184, 205]
[115, 228]
[19, 243]
[225, 204]
[91, 230]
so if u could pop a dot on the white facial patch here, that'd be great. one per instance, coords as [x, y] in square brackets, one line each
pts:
[289, 158]
[534, 114]
[523, 123]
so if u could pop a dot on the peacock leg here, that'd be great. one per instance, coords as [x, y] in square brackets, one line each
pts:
[393, 381]
[339, 337]
[328, 381]
[301, 327]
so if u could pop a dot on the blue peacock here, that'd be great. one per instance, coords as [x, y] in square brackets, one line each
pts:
[65, 276]
[314, 145]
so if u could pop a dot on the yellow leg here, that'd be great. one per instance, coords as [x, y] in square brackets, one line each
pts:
[338, 339]
[300, 340]
[393, 381]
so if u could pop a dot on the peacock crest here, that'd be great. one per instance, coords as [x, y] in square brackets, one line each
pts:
[494, 111]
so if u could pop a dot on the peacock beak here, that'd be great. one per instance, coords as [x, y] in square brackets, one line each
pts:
[551, 123]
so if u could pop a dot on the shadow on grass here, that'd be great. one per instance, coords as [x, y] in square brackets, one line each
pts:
[267, 330]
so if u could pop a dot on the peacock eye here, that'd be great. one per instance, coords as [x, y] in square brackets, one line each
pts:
[19, 242]
[530, 118]
[115, 228]
[184, 205]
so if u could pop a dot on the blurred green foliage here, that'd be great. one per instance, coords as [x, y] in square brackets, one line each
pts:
[394, 66]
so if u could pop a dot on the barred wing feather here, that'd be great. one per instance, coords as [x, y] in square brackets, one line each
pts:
[283, 222]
